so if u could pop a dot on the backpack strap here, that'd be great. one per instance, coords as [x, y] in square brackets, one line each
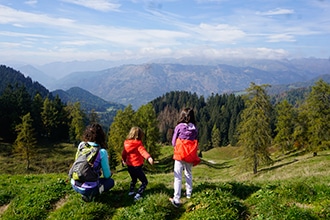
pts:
[86, 144]
[97, 160]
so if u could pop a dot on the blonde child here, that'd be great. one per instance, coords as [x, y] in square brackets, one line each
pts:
[133, 156]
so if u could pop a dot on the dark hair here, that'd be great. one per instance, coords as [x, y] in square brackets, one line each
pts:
[135, 133]
[95, 133]
[187, 115]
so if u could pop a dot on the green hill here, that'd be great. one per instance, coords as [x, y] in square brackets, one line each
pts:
[12, 77]
[296, 186]
[87, 100]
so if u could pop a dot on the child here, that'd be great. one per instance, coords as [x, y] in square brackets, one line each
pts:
[133, 156]
[95, 136]
[185, 156]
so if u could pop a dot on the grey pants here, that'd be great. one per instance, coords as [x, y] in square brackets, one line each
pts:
[179, 166]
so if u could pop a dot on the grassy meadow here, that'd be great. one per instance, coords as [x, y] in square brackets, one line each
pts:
[296, 186]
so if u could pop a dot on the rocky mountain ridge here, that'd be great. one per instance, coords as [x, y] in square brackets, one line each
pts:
[137, 84]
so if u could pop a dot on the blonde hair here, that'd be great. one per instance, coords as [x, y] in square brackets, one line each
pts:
[135, 133]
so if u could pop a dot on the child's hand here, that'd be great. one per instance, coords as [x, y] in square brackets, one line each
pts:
[123, 163]
[150, 160]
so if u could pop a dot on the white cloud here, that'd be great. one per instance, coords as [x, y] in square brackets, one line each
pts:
[17, 17]
[99, 5]
[281, 38]
[135, 38]
[31, 2]
[218, 33]
[268, 53]
[155, 51]
[9, 45]
[64, 32]
[212, 53]
[277, 11]
[77, 43]
[16, 34]
[68, 30]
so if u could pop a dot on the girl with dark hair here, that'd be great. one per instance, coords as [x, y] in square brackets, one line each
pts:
[185, 155]
[95, 136]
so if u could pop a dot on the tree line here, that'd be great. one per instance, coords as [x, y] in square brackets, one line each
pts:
[251, 120]
[217, 116]
[50, 117]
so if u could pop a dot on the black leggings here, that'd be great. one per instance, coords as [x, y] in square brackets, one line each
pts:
[137, 173]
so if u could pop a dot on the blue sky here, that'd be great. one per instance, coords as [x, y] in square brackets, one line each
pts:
[42, 31]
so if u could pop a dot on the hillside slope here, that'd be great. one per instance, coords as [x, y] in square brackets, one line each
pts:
[296, 186]
[10, 76]
[87, 100]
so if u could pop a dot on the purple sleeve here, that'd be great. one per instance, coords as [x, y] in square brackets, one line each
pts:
[175, 135]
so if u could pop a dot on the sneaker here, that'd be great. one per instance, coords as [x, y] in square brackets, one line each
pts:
[188, 196]
[137, 197]
[131, 193]
[175, 204]
[87, 198]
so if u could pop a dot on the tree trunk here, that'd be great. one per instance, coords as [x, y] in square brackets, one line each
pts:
[255, 164]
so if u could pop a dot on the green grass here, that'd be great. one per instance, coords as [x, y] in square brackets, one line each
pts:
[49, 158]
[296, 186]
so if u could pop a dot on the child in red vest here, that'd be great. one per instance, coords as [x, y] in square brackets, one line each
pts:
[133, 156]
[185, 156]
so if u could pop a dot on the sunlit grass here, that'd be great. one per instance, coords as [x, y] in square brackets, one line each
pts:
[296, 186]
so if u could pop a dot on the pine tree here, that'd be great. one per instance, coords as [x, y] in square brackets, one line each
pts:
[49, 117]
[318, 113]
[61, 130]
[216, 138]
[15, 102]
[113, 159]
[204, 134]
[76, 118]
[254, 128]
[9, 115]
[36, 109]
[25, 142]
[285, 125]
[145, 118]
[300, 133]
[121, 125]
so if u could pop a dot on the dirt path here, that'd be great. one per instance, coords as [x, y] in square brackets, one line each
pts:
[3, 208]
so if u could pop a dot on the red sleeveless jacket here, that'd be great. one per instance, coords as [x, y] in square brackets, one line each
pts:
[186, 150]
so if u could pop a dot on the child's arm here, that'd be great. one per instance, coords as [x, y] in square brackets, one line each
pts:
[175, 135]
[105, 164]
[145, 154]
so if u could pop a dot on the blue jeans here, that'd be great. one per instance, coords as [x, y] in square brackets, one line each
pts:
[107, 185]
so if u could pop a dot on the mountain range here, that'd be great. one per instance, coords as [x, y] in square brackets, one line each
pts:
[137, 84]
